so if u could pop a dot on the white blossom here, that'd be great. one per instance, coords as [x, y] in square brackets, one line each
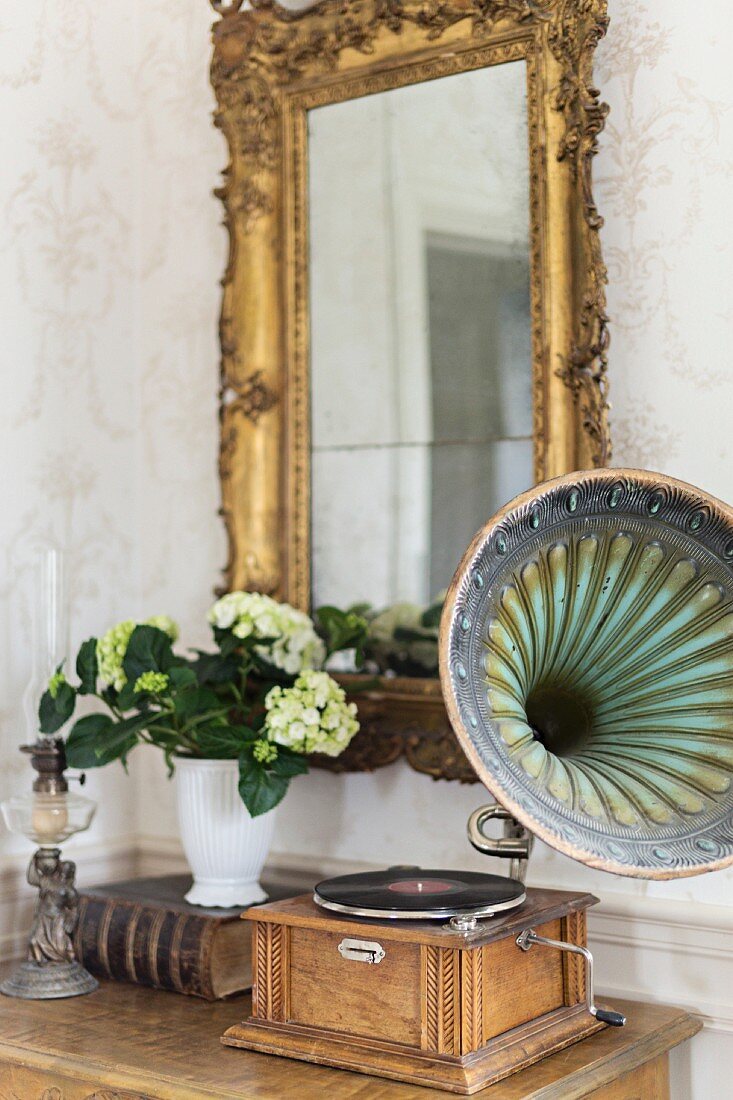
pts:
[311, 716]
[291, 642]
[112, 647]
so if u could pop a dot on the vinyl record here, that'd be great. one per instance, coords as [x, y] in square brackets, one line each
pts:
[412, 893]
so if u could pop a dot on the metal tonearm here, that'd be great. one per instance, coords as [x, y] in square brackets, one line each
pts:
[516, 844]
[529, 937]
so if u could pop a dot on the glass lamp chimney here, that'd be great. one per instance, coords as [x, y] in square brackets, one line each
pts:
[50, 630]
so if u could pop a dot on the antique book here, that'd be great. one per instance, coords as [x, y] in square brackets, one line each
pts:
[143, 931]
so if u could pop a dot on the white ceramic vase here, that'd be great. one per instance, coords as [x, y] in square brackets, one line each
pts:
[225, 847]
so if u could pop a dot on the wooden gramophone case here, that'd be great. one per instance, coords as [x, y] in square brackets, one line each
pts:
[414, 1001]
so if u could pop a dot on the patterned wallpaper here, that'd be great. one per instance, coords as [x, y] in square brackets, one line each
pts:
[662, 178]
[110, 254]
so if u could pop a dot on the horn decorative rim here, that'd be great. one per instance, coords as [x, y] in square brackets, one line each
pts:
[601, 601]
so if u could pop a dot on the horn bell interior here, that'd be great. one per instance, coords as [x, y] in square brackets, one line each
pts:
[587, 662]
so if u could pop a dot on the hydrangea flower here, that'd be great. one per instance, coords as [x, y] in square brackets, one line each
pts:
[164, 623]
[265, 752]
[153, 682]
[311, 716]
[292, 642]
[55, 683]
[112, 647]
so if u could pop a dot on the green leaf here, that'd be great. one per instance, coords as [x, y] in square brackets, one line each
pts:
[430, 618]
[270, 674]
[223, 742]
[53, 713]
[123, 737]
[259, 789]
[216, 668]
[362, 609]
[128, 698]
[289, 763]
[166, 739]
[227, 642]
[85, 738]
[195, 701]
[182, 676]
[149, 650]
[97, 740]
[86, 667]
[47, 717]
[341, 629]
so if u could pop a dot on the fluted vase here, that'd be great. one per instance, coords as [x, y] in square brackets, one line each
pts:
[225, 847]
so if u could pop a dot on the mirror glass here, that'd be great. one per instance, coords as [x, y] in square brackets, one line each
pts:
[421, 381]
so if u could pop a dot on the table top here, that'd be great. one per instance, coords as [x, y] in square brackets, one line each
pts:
[166, 1046]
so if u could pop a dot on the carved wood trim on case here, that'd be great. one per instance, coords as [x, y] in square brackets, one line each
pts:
[270, 971]
[441, 1021]
[472, 1001]
[574, 930]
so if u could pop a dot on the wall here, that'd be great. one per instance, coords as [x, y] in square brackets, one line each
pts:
[110, 252]
[110, 256]
[69, 378]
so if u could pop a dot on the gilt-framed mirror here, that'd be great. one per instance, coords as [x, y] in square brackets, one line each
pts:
[413, 326]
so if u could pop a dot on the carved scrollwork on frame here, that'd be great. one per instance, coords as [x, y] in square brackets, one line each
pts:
[573, 38]
[407, 720]
[270, 66]
[254, 397]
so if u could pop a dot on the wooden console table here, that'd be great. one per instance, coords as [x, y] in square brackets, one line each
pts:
[128, 1043]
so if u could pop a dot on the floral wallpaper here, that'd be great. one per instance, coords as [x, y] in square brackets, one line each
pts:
[110, 254]
[662, 180]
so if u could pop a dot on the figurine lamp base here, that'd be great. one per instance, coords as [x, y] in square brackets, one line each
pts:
[34, 981]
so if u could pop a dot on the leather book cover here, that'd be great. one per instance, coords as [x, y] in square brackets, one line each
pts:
[142, 931]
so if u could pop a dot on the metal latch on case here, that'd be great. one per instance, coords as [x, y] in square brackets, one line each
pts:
[366, 951]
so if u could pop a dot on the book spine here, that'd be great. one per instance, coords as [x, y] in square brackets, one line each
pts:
[145, 945]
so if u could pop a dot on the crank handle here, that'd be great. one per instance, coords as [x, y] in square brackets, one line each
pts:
[529, 937]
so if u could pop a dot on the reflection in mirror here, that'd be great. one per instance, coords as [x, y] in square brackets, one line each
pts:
[421, 376]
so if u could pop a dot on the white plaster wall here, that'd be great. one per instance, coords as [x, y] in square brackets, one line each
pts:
[110, 254]
[69, 375]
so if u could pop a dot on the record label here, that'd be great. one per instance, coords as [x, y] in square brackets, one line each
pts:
[421, 886]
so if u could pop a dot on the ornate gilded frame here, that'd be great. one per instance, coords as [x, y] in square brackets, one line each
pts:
[270, 66]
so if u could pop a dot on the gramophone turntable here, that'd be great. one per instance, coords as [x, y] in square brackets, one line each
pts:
[587, 666]
[411, 893]
[454, 998]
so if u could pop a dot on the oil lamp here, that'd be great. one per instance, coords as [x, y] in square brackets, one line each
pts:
[48, 815]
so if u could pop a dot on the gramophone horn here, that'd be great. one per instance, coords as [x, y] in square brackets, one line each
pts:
[587, 666]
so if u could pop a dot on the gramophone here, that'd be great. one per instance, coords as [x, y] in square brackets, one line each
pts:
[587, 667]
